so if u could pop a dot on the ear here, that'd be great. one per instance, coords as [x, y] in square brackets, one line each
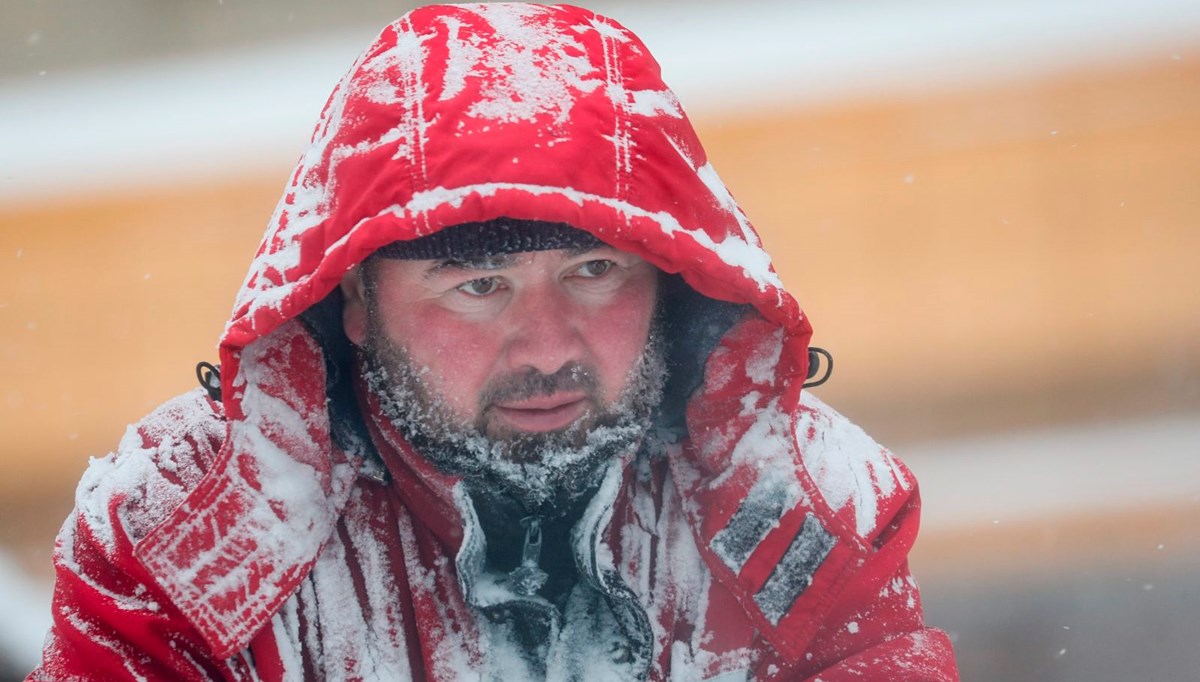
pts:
[354, 309]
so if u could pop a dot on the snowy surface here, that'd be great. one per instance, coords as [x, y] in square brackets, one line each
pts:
[216, 116]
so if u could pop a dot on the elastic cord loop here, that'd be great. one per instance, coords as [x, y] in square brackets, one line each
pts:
[814, 366]
[209, 377]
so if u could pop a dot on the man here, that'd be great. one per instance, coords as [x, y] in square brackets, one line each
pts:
[510, 392]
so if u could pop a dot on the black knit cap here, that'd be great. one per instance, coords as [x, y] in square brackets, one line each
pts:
[494, 237]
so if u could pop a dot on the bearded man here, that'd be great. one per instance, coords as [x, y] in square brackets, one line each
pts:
[510, 392]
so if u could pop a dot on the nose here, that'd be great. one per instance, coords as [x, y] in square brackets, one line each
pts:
[544, 331]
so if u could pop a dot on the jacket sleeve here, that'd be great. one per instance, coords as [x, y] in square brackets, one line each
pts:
[875, 631]
[807, 521]
[110, 620]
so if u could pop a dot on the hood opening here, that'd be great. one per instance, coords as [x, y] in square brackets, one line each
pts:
[692, 323]
[347, 425]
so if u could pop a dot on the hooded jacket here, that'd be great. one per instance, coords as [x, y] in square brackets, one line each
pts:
[281, 531]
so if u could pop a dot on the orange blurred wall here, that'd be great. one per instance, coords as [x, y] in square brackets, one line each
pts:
[971, 259]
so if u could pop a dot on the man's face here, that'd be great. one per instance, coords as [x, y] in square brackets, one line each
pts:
[521, 359]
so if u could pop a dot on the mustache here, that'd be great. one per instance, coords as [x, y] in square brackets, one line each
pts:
[529, 383]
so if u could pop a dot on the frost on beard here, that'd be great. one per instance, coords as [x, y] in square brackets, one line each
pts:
[536, 469]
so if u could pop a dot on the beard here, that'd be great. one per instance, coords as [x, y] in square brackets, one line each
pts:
[541, 471]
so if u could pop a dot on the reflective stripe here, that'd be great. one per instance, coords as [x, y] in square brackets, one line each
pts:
[759, 512]
[795, 570]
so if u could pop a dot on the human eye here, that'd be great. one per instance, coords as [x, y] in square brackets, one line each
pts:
[480, 287]
[595, 268]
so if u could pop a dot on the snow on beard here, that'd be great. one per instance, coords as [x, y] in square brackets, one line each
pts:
[539, 470]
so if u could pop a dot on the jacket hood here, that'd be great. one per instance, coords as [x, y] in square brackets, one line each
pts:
[466, 113]
[455, 114]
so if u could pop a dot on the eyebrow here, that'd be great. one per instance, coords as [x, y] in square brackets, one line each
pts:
[586, 248]
[498, 261]
[493, 262]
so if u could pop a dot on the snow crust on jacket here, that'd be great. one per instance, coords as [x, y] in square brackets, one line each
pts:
[248, 540]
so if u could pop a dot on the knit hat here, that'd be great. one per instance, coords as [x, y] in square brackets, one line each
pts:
[490, 238]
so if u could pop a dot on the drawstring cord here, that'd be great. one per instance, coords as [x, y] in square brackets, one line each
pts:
[209, 377]
[529, 577]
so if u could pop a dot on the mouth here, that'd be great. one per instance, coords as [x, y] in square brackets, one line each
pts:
[542, 414]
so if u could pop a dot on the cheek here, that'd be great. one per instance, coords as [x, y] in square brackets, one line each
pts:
[456, 355]
[618, 333]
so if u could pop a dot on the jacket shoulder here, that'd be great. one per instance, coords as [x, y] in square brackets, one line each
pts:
[855, 475]
[158, 462]
[110, 620]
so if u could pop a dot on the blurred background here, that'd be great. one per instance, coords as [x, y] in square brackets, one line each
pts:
[991, 211]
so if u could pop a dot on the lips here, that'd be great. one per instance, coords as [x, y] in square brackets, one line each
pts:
[543, 413]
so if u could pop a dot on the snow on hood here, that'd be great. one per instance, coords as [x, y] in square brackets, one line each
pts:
[466, 113]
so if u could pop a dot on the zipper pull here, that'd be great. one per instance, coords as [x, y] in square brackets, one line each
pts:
[528, 578]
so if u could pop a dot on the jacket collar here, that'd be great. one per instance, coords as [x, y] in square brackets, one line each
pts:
[244, 539]
[442, 504]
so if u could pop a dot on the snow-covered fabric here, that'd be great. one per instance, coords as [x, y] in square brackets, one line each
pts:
[258, 539]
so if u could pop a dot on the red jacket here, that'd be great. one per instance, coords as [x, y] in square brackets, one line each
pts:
[260, 537]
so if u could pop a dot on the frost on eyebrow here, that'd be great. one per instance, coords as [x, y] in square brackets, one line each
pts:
[491, 262]
[580, 250]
